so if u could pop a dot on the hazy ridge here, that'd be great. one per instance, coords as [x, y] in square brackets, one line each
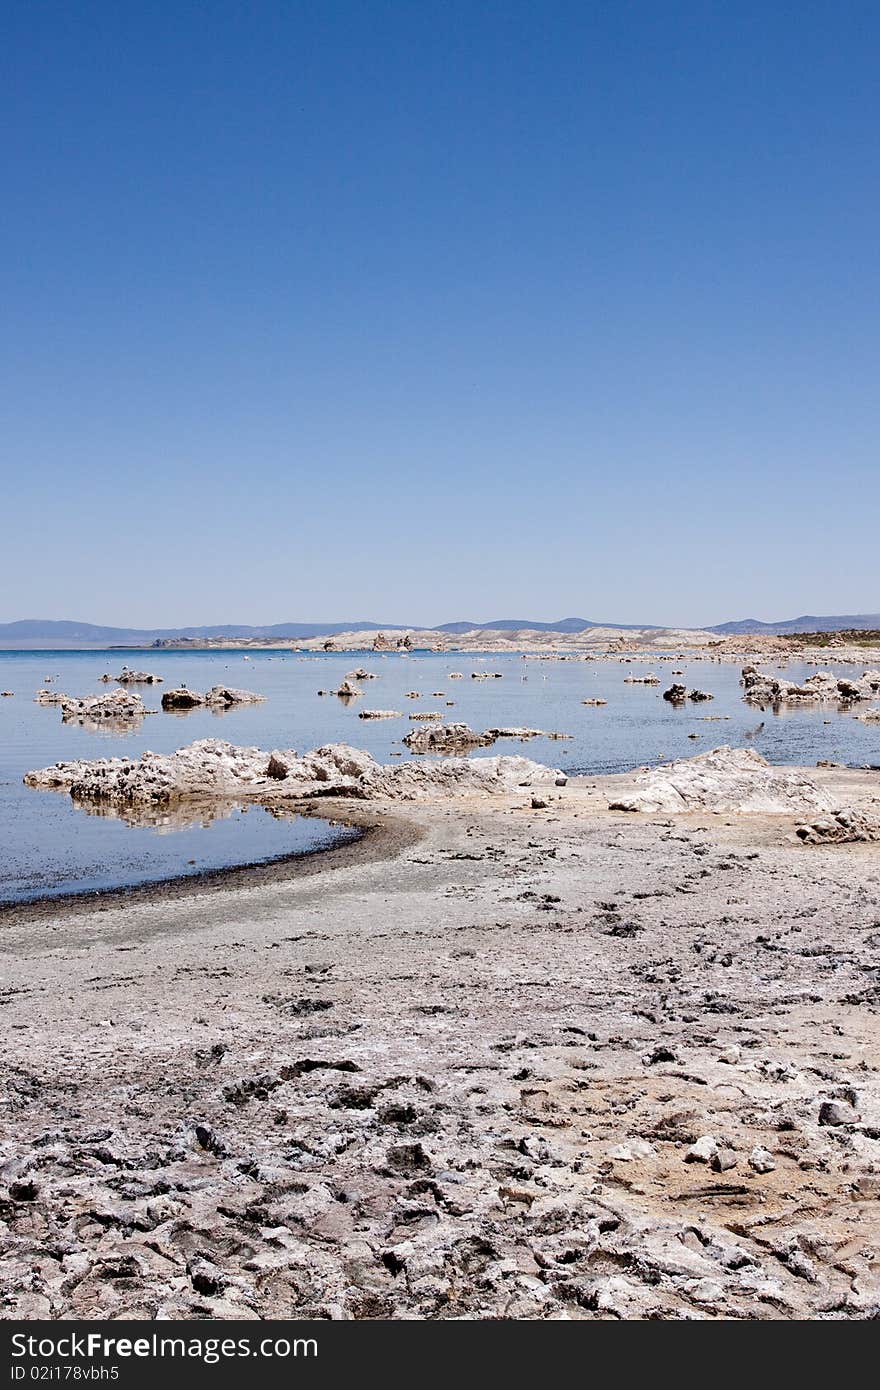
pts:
[41, 632]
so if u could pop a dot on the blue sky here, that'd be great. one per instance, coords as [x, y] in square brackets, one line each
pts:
[423, 311]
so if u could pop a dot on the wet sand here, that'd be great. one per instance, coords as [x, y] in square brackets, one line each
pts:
[456, 1069]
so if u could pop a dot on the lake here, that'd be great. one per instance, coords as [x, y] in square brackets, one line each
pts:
[51, 846]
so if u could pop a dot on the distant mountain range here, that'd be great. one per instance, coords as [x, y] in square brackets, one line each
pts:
[42, 632]
[518, 624]
[32, 631]
[809, 623]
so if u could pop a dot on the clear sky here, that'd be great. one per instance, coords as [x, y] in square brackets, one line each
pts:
[424, 311]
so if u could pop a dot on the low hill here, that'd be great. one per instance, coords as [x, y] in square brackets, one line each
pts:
[847, 622]
[530, 625]
[44, 632]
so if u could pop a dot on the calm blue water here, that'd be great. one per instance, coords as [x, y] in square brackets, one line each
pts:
[51, 846]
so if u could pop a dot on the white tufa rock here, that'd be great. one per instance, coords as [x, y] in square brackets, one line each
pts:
[703, 1151]
[211, 767]
[725, 779]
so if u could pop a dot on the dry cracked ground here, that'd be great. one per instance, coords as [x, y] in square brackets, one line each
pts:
[557, 1063]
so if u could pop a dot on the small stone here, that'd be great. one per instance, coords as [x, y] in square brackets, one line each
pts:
[205, 1277]
[703, 1151]
[836, 1112]
[24, 1191]
[761, 1160]
[632, 1149]
[162, 1209]
[705, 1290]
[723, 1161]
[408, 1158]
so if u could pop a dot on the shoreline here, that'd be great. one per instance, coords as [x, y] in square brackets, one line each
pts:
[376, 839]
[378, 835]
[762, 649]
[496, 1061]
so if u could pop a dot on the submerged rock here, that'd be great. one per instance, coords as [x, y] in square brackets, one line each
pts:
[225, 696]
[347, 691]
[677, 694]
[445, 738]
[181, 698]
[450, 738]
[128, 677]
[514, 732]
[725, 779]
[218, 697]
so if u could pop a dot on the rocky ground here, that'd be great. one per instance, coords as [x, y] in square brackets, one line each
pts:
[534, 1061]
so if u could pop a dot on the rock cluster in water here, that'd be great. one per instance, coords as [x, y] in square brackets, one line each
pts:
[446, 738]
[129, 677]
[115, 707]
[348, 690]
[677, 694]
[760, 688]
[218, 697]
[449, 738]
[213, 767]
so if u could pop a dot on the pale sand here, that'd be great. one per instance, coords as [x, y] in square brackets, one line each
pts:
[499, 998]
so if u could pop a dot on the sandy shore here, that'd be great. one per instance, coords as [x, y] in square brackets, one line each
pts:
[457, 1069]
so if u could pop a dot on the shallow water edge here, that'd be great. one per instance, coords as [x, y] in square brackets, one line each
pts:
[373, 838]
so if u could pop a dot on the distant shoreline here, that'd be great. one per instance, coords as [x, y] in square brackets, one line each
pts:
[819, 648]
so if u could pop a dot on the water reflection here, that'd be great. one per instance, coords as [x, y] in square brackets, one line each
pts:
[218, 711]
[184, 814]
[165, 816]
[108, 724]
